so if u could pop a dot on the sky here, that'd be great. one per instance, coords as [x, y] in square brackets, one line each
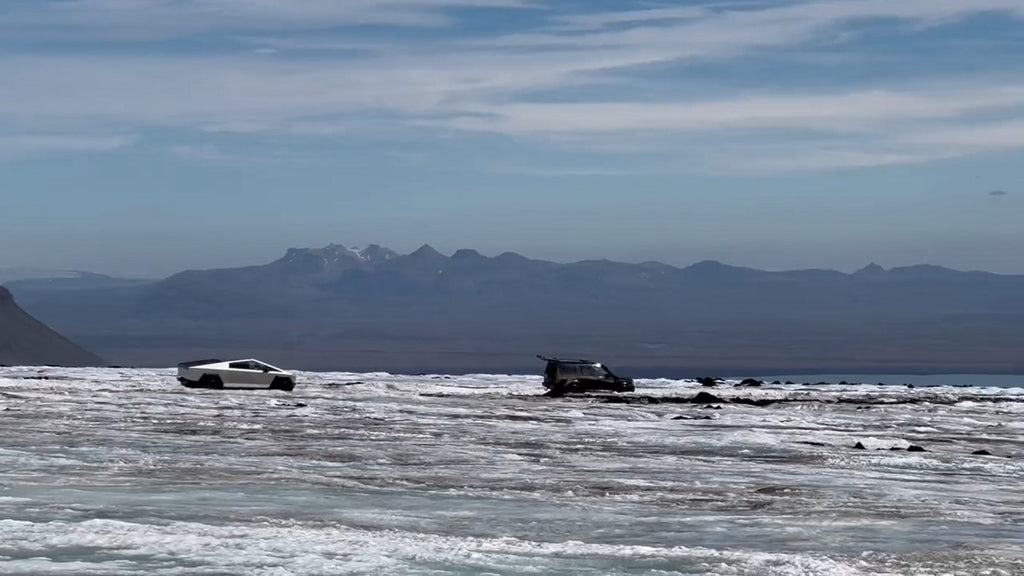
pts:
[143, 137]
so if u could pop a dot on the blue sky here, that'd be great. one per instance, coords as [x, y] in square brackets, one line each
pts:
[149, 136]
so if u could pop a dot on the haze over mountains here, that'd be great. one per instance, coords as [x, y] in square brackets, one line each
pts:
[374, 309]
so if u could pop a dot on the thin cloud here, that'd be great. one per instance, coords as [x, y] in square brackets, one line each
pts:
[208, 153]
[855, 112]
[16, 146]
[561, 172]
[599, 20]
[299, 96]
[769, 160]
[559, 81]
[731, 32]
[150, 20]
[1007, 133]
[998, 193]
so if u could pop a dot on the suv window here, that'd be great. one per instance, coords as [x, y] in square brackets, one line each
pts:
[591, 371]
[243, 365]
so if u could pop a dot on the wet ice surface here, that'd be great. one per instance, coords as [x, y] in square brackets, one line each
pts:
[125, 472]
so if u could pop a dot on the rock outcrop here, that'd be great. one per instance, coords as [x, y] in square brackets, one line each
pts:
[25, 341]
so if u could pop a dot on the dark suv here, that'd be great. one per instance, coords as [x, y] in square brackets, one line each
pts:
[562, 376]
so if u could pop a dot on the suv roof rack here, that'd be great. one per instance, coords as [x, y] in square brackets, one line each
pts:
[566, 360]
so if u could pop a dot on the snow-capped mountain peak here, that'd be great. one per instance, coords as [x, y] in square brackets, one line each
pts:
[374, 253]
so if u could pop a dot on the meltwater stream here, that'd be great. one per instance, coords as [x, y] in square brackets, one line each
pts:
[111, 471]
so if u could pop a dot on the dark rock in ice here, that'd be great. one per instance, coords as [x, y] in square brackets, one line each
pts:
[707, 381]
[811, 443]
[981, 453]
[858, 446]
[775, 490]
[705, 398]
[789, 382]
[776, 382]
[611, 399]
[915, 448]
[340, 384]
[895, 448]
[710, 407]
[300, 404]
[750, 382]
[910, 386]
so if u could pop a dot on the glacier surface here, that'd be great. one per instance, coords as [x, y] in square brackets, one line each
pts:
[123, 471]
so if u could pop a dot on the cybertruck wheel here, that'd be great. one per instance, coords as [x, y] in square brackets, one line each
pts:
[211, 381]
[281, 383]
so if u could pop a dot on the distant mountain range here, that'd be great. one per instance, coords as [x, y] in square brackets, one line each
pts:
[25, 273]
[26, 341]
[374, 309]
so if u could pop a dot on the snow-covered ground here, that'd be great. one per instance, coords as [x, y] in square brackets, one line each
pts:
[115, 471]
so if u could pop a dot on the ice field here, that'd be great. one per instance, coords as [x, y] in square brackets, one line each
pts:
[124, 471]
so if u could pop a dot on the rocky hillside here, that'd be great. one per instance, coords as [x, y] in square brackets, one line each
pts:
[26, 341]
